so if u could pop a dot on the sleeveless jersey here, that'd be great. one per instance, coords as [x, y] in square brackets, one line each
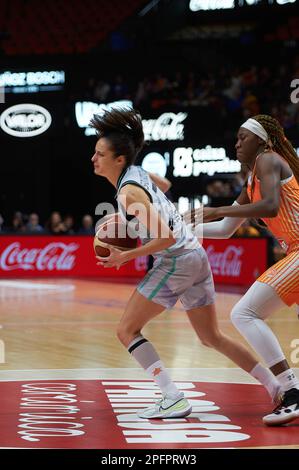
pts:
[285, 226]
[185, 240]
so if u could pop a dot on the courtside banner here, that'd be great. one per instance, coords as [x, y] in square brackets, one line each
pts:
[48, 256]
[237, 261]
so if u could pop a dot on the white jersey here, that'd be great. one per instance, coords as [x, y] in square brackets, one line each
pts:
[185, 240]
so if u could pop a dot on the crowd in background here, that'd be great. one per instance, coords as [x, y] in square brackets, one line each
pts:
[230, 91]
[29, 224]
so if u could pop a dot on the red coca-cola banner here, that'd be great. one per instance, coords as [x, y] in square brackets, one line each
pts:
[43, 256]
[236, 261]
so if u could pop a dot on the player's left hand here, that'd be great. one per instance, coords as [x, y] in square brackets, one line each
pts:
[115, 259]
[209, 214]
[193, 217]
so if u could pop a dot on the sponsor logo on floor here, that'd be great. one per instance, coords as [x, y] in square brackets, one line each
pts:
[102, 414]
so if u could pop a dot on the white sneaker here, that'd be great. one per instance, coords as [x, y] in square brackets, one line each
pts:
[287, 411]
[167, 408]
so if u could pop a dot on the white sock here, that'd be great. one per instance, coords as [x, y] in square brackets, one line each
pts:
[159, 374]
[266, 378]
[144, 353]
[288, 380]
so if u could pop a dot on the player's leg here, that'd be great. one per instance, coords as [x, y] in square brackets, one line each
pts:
[139, 311]
[204, 322]
[248, 316]
[198, 301]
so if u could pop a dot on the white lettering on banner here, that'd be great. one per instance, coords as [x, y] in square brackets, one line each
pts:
[85, 110]
[196, 5]
[55, 256]
[226, 263]
[193, 162]
[15, 79]
[25, 120]
[56, 410]
[167, 127]
[133, 396]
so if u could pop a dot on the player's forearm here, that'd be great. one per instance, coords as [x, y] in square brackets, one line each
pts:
[222, 229]
[264, 208]
[158, 244]
[219, 230]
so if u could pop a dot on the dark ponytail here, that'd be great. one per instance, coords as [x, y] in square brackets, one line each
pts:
[123, 128]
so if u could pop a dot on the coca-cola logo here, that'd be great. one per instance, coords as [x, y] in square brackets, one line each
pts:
[169, 126]
[227, 262]
[56, 256]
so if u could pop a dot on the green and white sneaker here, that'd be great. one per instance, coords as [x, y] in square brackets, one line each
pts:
[167, 408]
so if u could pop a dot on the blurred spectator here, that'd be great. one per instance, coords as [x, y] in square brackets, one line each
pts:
[33, 225]
[54, 225]
[102, 91]
[18, 224]
[1, 224]
[119, 89]
[237, 184]
[214, 189]
[87, 227]
[250, 105]
[69, 223]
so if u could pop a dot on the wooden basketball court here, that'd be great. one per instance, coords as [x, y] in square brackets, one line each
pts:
[67, 382]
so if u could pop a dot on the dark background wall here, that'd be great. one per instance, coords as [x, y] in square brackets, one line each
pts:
[53, 171]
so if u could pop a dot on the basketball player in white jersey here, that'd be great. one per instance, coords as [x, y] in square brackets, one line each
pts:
[181, 269]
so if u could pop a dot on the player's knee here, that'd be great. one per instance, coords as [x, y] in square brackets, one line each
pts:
[242, 314]
[205, 342]
[212, 340]
[238, 315]
[126, 334]
[122, 334]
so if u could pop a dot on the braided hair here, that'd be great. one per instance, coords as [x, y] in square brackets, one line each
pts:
[278, 143]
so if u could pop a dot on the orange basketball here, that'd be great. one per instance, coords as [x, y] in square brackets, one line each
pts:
[113, 231]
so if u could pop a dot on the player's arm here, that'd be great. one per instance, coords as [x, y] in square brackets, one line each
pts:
[222, 229]
[163, 183]
[268, 171]
[136, 202]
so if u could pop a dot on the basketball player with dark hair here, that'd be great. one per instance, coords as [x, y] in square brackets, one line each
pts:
[181, 269]
[272, 194]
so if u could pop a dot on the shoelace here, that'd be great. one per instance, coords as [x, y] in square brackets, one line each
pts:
[290, 398]
[159, 402]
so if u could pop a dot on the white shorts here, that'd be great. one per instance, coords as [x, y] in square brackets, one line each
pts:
[187, 277]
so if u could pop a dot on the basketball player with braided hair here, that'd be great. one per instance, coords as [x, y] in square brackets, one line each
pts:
[272, 194]
[181, 269]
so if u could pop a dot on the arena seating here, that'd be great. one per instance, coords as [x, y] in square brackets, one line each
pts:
[59, 26]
